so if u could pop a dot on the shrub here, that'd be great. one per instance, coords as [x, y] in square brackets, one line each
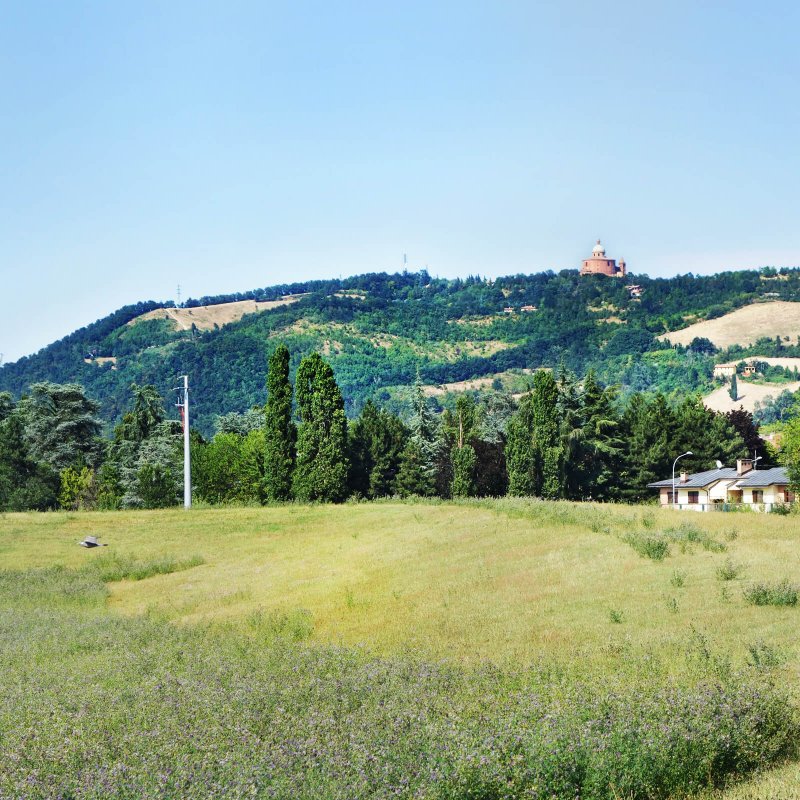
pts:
[686, 533]
[729, 571]
[763, 656]
[648, 545]
[782, 593]
[678, 579]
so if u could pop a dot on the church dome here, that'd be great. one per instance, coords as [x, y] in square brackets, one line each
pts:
[598, 250]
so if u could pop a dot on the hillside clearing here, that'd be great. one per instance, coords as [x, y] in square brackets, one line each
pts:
[744, 325]
[473, 384]
[749, 395]
[206, 317]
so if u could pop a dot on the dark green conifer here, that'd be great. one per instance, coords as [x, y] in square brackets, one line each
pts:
[420, 460]
[280, 431]
[376, 442]
[534, 452]
[322, 465]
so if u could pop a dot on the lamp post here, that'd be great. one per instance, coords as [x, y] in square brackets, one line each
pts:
[687, 453]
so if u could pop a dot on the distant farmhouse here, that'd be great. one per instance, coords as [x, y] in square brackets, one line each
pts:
[727, 488]
[598, 264]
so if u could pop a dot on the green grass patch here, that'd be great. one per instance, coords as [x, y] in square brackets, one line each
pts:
[110, 567]
[763, 593]
[648, 545]
[687, 533]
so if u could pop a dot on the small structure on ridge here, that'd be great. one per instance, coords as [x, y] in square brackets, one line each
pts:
[598, 264]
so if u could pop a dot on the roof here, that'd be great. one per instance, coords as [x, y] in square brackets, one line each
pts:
[765, 477]
[699, 480]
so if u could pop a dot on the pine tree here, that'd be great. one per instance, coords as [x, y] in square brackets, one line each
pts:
[710, 436]
[148, 411]
[24, 483]
[601, 446]
[280, 431]
[376, 442]
[145, 461]
[61, 426]
[648, 430]
[322, 465]
[419, 464]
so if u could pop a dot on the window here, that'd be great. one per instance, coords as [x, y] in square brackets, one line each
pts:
[694, 498]
[672, 498]
[758, 495]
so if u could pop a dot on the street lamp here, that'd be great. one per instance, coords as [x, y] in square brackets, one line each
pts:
[687, 453]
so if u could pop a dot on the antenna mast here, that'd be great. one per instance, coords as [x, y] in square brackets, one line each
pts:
[183, 407]
[179, 295]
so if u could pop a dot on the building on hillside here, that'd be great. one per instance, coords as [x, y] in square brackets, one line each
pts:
[598, 264]
[528, 309]
[724, 370]
[727, 489]
[634, 289]
[749, 367]
[508, 310]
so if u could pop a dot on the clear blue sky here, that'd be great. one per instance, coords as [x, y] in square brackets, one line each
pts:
[228, 146]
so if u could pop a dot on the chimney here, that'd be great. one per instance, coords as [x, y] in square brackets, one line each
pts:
[684, 477]
[743, 465]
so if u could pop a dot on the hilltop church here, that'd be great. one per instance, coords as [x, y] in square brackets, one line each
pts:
[598, 264]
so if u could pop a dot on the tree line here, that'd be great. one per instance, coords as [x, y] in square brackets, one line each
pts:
[564, 438]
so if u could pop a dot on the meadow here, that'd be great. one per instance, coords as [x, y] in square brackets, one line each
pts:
[479, 649]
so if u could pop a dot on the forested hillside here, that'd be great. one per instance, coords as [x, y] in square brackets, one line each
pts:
[378, 330]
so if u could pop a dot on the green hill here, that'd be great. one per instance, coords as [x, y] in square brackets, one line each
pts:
[377, 330]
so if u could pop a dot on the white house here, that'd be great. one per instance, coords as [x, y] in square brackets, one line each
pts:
[726, 488]
[765, 488]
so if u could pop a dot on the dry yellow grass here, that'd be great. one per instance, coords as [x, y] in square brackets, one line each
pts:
[748, 395]
[205, 317]
[744, 325]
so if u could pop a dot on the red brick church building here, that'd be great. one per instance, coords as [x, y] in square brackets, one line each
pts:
[598, 264]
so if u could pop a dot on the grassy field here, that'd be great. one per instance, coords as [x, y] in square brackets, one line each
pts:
[550, 594]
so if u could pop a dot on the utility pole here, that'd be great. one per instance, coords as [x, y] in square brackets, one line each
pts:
[183, 406]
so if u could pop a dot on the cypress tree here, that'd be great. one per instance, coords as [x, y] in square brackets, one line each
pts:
[463, 458]
[322, 465]
[279, 429]
[734, 389]
[534, 453]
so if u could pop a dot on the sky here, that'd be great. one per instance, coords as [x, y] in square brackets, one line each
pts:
[231, 146]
